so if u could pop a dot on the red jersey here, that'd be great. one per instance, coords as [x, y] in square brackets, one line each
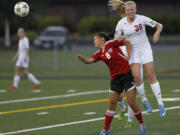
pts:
[114, 58]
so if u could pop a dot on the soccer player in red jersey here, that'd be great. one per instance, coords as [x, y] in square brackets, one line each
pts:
[121, 77]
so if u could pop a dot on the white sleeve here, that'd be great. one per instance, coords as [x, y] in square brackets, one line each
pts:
[148, 21]
[26, 43]
[119, 30]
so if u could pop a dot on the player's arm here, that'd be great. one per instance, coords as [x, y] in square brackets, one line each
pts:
[85, 60]
[27, 54]
[156, 36]
[26, 43]
[15, 57]
[148, 21]
[128, 47]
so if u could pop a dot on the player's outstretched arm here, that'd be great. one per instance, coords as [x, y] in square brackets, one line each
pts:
[128, 47]
[15, 57]
[156, 36]
[85, 60]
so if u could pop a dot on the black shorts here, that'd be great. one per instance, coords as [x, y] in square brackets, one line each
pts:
[121, 82]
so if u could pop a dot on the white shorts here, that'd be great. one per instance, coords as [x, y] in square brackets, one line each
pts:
[21, 63]
[142, 56]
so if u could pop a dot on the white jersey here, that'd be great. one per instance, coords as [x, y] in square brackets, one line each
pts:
[22, 46]
[135, 32]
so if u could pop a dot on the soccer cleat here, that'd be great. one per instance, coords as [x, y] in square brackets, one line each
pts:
[105, 132]
[147, 106]
[37, 86]
[162, 111]
[128, 124]
[12, 88]
[142, 129]
[121, 115]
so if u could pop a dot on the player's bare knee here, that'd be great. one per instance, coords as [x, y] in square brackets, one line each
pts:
[137, 79]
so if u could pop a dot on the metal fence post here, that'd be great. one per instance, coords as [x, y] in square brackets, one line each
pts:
[55, 56]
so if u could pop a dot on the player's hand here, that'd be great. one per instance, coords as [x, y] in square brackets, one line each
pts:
[78, 56]
[25, 59]
[127, 58]
[156, 37]
[119, 38]
[13, 60]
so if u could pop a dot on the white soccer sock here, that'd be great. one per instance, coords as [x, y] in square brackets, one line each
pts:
[122, 105]
[130, 114]
[32, 78]
[157, 92]
[141, 92]
[16, 81]
[142, 74]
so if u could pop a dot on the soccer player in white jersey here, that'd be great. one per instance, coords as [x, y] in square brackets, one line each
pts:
[22, 61]
[132, 26]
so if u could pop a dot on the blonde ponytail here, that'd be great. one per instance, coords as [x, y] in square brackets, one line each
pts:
[119, 6]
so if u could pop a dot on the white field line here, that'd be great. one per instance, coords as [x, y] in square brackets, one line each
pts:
[74, 123]
[176, 91]
[171, 99]
[42, 113]
[3, 91]
[54, 97]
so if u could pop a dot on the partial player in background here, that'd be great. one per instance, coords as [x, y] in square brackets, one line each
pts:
[133, 27]
[121, 77]
[22, 61]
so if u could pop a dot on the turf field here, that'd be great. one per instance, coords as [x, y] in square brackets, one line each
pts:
[77, 107]
[75, 103]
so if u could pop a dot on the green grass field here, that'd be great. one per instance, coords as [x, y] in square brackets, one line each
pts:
[60, 106]
[65, 114]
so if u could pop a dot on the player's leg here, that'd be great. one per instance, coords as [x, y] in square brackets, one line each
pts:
[123, 111]
[122, 106]
[136, 69]
[131, 98]
[16, 79]
[113, 99]
[149, 69]
[141, 92]
[137, 72]
[29, 75]
[16, 75]
[130, 118]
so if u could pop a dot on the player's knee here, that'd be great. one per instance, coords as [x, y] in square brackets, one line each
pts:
[137, 79]
[16, 71]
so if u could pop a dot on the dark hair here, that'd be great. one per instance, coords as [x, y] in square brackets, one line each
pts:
[103, 35]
